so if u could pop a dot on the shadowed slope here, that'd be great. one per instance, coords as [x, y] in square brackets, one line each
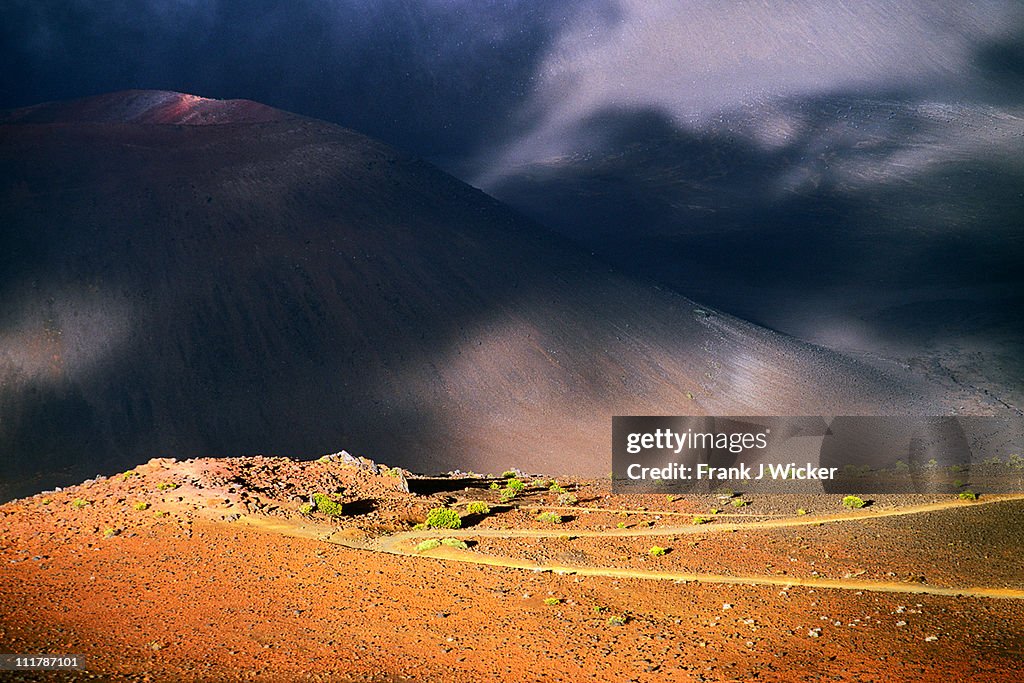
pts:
[863, 223]
[289, 286]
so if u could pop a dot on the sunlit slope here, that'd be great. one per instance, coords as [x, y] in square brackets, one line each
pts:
[288, 286]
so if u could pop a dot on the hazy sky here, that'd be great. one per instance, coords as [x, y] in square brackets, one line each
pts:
[471, 82]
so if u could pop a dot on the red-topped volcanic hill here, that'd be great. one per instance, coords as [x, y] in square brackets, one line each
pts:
[146, 106]
[282, 285]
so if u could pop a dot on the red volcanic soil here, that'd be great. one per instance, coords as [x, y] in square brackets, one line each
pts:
[206, 570]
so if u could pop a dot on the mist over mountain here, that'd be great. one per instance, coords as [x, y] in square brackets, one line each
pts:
[872, 225]
[187, 277]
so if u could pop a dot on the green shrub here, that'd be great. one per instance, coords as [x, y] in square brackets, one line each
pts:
[129, 474]
[422, 526]
[556, 488]
[801, 511]
[444, 518]
[141, 506]
[494, 486]
[508, 474]
[478, 507]
[616, 620]
[700, 520]
[515, 485]
[167, 486]
[549, 517]
[552, 601]
[853, 502]
[161, 513]
[323, 503]
[79, 503]
[657, 551]
[306, 509]
[567, 499]
[454, 543]
[428, 544]
[738, 502]
[110, 533]
[967, 495]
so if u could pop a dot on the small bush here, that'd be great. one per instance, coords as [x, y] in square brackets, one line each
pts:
[141, 506]
[853, 502]
[621, 525]
[567, 499]
[967, 495]
[494, 486]
[616, 620]
[657, 551]
[478, 507]
[738, 502]
[125, 476]
[79, 503]
[508, 474]
[515, 485]
[444, 518]
[323, 503]
[110, 533]
[422, 526]
[166, 486]
[552, 601]
[801, 511]
[306, 509]
[428, 544]
[556, 488]
[454, 543]
[161, 513]
[700, 520]
[549, 517]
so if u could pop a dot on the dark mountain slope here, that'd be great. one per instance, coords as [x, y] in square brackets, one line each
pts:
[288, 286]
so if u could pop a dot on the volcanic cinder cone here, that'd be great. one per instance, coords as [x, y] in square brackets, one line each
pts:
[181, 276]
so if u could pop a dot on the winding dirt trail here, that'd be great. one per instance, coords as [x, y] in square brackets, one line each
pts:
[404, 543]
